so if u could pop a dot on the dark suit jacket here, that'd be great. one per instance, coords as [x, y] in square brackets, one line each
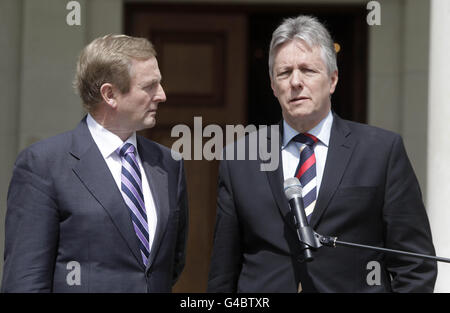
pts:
[64, 205]
[369, 195]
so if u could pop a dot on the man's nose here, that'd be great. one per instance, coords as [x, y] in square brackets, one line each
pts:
[160, 95]
[296, 79]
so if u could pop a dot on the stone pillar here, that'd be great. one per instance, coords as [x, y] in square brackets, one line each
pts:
[50, 47]
[438, 168]
[10, 64]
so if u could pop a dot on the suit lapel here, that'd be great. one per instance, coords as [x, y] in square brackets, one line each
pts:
[94, 173]
[276, 181]
[159, 187]
[340, 149]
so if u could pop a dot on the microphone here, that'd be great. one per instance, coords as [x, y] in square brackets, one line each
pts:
[293, 193]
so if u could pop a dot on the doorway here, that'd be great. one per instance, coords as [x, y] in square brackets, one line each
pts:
[213, 59]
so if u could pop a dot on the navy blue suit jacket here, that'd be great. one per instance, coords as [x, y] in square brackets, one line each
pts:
[64, 205]
[369, 194]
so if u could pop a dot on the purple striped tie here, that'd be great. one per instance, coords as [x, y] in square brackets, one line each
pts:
[131, 188]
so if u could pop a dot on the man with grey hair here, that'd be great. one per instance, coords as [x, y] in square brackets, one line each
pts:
[99, 208]
[357, 183]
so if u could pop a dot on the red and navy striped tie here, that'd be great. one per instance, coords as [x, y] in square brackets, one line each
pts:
[306, 171]
[131, 188]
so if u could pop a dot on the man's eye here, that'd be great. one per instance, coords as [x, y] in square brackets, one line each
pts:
[283, 73]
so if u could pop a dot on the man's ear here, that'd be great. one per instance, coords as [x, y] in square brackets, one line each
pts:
[273, 88]
[334, 81]
[107, 92]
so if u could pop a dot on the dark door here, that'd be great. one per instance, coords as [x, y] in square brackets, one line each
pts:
[213, 60]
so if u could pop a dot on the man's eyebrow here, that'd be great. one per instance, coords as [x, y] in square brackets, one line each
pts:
[283, 68]
[152, 82]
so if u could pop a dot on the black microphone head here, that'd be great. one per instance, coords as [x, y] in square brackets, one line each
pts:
[292, 188]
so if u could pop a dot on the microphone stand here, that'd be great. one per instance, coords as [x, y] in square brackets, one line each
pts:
[312, 241]
[316, 241]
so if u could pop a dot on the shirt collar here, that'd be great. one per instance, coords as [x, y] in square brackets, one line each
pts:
[107, 142]
[322, 131]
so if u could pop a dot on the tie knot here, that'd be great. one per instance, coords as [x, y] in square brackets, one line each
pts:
[127, 148]
[306, 139]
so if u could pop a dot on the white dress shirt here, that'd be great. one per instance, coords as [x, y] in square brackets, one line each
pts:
[108, 143]
[290, 150]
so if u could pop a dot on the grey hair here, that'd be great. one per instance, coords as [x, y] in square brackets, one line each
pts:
[309, 29]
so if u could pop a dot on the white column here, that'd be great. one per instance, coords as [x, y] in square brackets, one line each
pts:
[50, 47]
[10, 42]
[384, 68]
[438, 193]
[414, 85]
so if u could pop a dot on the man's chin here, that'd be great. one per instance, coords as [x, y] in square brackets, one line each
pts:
[150, 123]
[299, 114]
[302, 121]
[307, 114]
[147, 124]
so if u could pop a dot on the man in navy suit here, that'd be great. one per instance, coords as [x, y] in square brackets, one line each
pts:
[99, 208]
[357, 184]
